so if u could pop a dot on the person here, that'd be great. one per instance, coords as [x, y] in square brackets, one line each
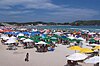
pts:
[27, 57]
[69, 63]
[75, 63]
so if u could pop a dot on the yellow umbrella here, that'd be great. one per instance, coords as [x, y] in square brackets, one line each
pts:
[75, 48]
[86, 50]
[96, 47]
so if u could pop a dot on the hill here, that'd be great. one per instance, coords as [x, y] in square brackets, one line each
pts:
[75, 23]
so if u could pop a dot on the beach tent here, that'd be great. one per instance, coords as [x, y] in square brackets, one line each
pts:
[94, 60]
[86, 50]
[77, 56]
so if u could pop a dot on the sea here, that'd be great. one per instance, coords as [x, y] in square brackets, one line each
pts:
[90, 28]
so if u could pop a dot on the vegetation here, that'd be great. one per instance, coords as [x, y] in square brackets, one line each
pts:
[75, 23]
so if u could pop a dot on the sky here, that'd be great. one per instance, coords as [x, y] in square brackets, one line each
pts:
[49, 10]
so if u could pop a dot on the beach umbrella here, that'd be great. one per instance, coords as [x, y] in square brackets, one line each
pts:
[11, 41]
[27, 40]
[80, 38]
[71, 37]
[22, 29]
[22, 38]
[35, 40]
[77, 57]
[58, 33]
[86, 50]
[20, 34]
[92, 40]
[97, 39]
[26, 33]
[12, 37]
[75, 48]
[4, 37]
[93, 60]
[54, 38]
[35, 33]
[96, 47]
[41, 42]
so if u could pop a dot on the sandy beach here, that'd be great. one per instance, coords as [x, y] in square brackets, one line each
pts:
[16, 57]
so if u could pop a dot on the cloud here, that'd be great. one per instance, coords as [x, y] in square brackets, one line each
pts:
[52, 11]
[14, 12]
[74, 12]
[37, 4]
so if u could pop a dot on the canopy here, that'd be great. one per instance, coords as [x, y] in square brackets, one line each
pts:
[93, 60]
[77, 56]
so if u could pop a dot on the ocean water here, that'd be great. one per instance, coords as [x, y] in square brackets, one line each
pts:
[90, 28]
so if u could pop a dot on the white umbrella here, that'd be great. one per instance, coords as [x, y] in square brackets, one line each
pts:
[91, 33]
[93, 60]
[77, 56]
[94, 45]
[53, 38]
[20, 34]
[71, 37]
[80, 38]
[5, 38]
[58, 33]
[34, 30]
[11, 41]
[22, 38]
[22, 29]
[41, 42]
[27, 40]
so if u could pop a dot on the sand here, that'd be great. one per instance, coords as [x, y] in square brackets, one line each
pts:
[16, 57]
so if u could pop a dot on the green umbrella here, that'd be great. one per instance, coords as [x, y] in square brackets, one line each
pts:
[22, 37]
[92, 40]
